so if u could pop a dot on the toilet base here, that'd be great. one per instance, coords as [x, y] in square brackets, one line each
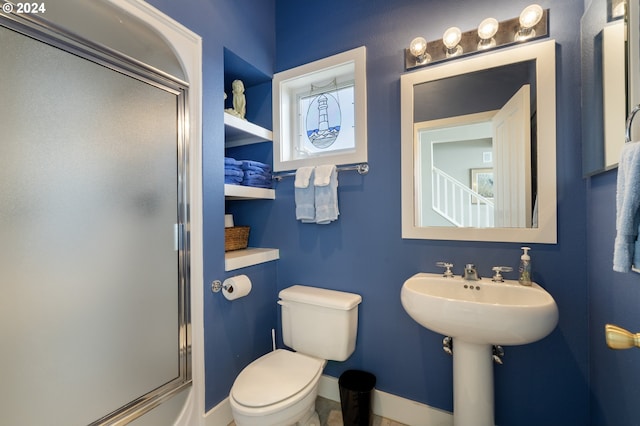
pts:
[304, 411]
[310, 419]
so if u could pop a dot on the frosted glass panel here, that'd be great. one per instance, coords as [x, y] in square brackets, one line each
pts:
[88, 203]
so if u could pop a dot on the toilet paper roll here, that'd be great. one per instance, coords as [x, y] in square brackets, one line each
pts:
[236, 287]
[228, 221]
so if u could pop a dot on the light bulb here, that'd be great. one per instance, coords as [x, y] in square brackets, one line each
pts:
[450, 39]
[418, 48]
[486, 30]
[529, 18]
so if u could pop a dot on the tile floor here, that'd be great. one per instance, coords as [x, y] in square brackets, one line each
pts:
[331, 415]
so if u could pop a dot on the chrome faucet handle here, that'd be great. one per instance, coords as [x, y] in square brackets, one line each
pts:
[447, 273]
[470, 272]
[497, 277]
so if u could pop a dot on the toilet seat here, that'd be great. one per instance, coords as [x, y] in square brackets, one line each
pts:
[275, 377]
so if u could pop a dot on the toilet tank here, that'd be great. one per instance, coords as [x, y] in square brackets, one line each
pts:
[320, 322]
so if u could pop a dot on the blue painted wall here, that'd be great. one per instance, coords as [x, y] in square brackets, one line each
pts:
[543, 383]
[613, 298]
[236, 30]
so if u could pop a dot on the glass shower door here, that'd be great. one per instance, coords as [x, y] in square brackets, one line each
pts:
[92, 299]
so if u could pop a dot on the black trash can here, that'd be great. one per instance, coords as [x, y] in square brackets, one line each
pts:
[355, 397]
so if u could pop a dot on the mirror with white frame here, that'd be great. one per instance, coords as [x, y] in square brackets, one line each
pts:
[606, 36]
[478, 148]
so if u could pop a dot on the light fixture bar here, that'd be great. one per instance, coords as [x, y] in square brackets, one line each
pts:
[437, 51]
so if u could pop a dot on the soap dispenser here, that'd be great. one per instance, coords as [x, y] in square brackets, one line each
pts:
[524, 272]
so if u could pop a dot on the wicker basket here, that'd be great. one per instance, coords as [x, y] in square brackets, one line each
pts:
[236, 238]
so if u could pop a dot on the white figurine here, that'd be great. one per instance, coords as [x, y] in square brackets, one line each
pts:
[239, 102]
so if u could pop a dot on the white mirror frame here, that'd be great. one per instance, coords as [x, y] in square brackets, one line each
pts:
[546, 232]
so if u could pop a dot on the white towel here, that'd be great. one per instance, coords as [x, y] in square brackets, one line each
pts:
[305, 195]
[626, 246]
[326, 196]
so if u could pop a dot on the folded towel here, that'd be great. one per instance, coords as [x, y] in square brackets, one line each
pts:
[324, 174]
[233, 180]
[259, 180]
[233, 172]
[326, 194]
[303, 177]
[254, 175]
[255, 165]
[258, 183]
[626, 249]
[228, 161]
[304, 194]
[257, 170]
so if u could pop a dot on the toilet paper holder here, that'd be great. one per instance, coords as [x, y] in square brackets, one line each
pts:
[217, 285]
[233, 287]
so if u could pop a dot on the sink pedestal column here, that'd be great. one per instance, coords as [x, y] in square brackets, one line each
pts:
[472, 384]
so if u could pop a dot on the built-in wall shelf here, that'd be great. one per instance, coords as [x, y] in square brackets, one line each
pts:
[241, 192]
[238, 132]
[248, 257]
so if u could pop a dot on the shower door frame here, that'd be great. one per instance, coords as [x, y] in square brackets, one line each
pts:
[55, 36]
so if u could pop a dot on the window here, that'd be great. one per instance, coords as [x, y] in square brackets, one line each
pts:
[320, 112]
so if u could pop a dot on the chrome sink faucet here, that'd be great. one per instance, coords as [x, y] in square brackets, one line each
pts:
[470, 272]
[447, 273]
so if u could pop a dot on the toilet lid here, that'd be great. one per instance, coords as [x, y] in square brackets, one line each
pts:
[274, 377]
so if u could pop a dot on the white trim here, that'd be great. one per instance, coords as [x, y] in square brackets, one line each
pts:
[242, 192]
[250, 256]
[239, 132]
[285, 85]
[633, 50]
[545, 55]
[392, 407]
[187, 47]
[384, 404]
[409, 412]
[613, 81]
[220, 415]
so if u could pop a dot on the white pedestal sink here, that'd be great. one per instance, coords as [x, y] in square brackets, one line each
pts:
[478, 315]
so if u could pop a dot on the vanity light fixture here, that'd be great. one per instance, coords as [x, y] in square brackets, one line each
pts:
[529, 18]
[418, 49]
[451, 40]
[531, 24]
[486, 30]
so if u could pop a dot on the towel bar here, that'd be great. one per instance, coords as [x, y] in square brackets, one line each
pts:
[362, 168]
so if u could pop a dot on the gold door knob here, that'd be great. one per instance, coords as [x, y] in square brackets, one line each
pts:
[619, 338]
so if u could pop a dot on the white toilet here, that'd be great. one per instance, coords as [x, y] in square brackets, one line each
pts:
[280, 388]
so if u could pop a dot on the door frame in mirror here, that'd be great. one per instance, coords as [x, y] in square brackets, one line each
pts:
[633, 52]
[544, 54]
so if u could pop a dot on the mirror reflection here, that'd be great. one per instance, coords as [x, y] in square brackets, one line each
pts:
[606, 61]
[476, 169]
[478, 148]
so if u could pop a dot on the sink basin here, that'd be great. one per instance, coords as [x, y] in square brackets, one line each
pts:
[483, 312]
[478, 315]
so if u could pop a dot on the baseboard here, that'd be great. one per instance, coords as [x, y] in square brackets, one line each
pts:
[384, 404]
[392, 407]
[220, 415]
